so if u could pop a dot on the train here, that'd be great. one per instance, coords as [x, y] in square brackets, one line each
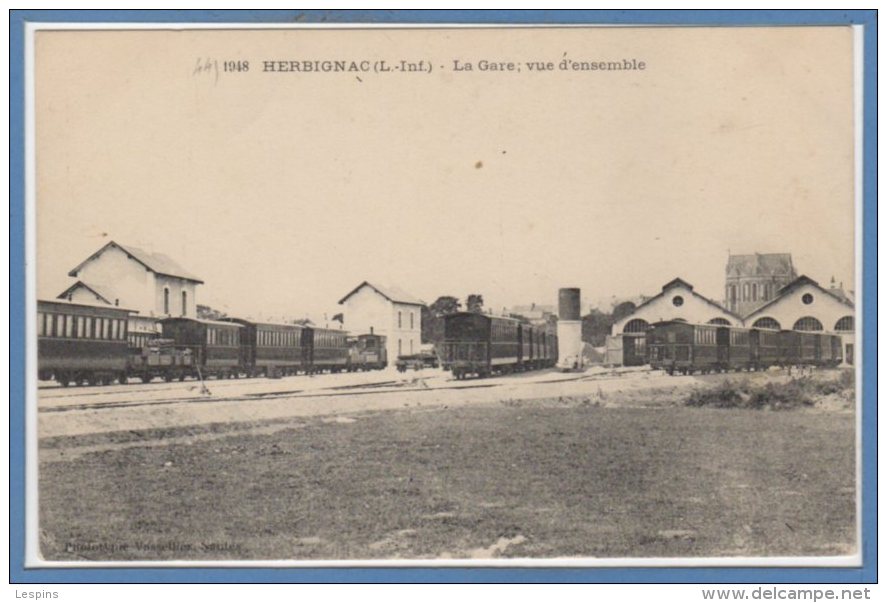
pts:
[83, 344]
[681, 347]
[483, 345]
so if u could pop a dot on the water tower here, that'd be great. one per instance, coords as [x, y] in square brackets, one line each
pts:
[569, 329]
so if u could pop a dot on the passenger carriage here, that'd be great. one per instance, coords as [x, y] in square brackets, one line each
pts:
[214, 346]
[478, 344]
[328, 349]
[764, 348]
[676, 346]
[525, 336]
[81, 344]
[272, 349]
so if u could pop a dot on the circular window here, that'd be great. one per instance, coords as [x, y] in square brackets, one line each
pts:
[677, 300]
[807, 298]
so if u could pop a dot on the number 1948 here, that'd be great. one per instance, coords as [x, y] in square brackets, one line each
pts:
[235, 66]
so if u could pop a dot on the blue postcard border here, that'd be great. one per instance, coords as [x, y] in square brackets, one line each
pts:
[867, 573]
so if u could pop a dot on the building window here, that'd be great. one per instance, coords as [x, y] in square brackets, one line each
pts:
[636, 325]
[807, 298]
[677, 300]
[845, 324]
[719, 321]
[766, 323]
[411, 323]
[808, 323]
[166, 300]
[399, 319]
[399, 347]
[184, 303]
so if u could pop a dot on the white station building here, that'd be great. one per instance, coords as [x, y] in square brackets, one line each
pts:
[388, 311]
[150, 283]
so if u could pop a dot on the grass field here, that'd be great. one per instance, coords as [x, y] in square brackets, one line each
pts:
[491, 481]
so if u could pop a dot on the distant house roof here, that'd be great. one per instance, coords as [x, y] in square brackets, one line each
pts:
[100, 292]
[761, 264]
[155, 262]
[679, 282]
[799, 282]
[392, 294]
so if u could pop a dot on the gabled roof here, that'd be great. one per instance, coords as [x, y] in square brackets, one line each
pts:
[155, 262]
[795, 284]
[676, 282]
[761, 264]
[679, 282]
[100, 292]
[392, 294]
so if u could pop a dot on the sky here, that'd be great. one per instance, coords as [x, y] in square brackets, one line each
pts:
[284, 191]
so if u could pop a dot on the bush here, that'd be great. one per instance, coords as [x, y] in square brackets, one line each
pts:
[782, 396]
[727, 394]
[775, 396]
